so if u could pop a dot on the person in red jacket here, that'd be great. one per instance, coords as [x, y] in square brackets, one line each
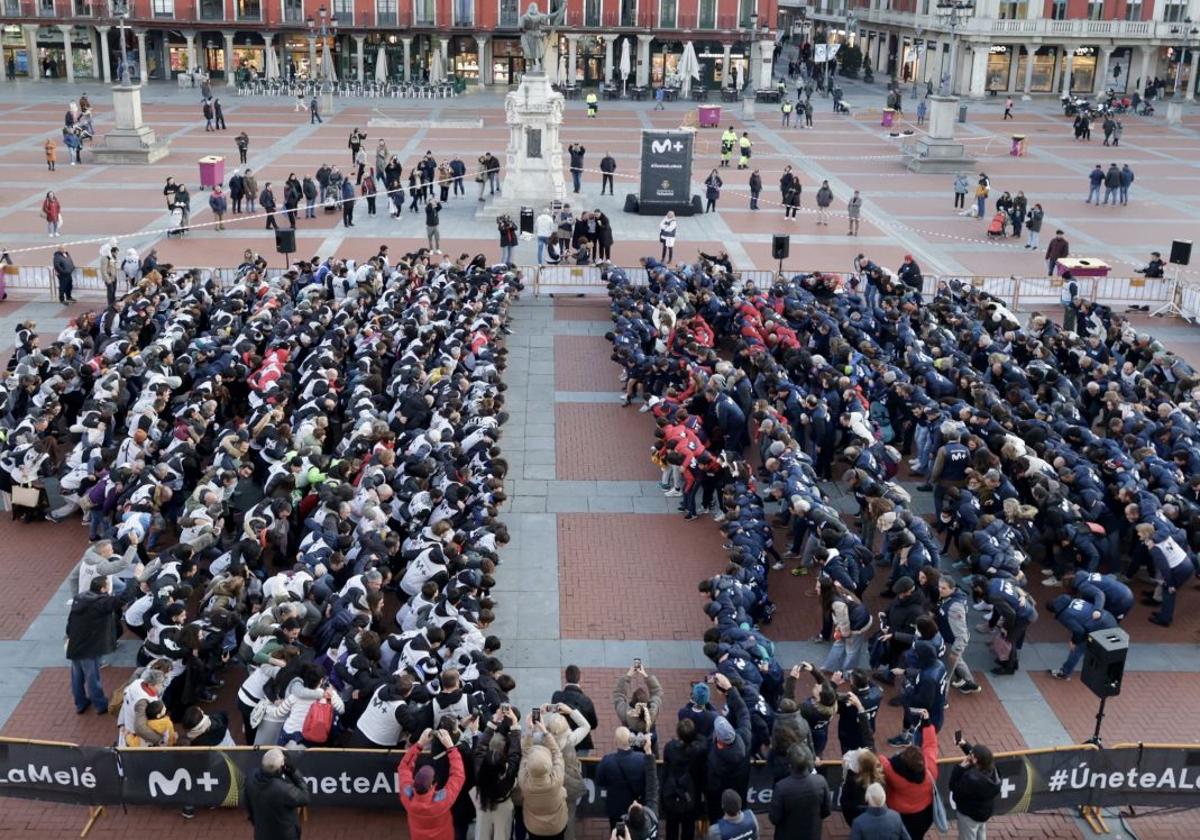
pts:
[909, 777]
[428, 808]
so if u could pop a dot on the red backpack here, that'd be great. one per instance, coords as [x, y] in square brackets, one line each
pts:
[318, 723]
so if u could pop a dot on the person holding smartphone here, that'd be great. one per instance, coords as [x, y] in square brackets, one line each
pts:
[975, 784]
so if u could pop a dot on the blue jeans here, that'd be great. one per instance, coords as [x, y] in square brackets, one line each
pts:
[980, 205]
[1124, 188]
[309, 212]
[1094, 192]
[98, 527]
[845, 653]
[86, 686]
[541, 251]
[1110, 192]
[506, 254]
[576, 177]
[923, 441]
[1073, 659]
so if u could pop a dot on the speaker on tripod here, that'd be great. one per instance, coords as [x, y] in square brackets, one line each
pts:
[1104, 668]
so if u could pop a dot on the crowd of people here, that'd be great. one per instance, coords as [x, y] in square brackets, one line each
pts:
[1065, 456]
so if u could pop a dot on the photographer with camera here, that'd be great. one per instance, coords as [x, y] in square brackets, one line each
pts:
[273, 794]
[974, 784]
[508, 238]
[637, 698]
[427, 807]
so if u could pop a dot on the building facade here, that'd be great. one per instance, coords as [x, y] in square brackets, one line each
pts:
[1023, 47]
[479, 40]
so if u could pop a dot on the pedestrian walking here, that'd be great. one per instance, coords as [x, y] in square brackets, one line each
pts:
[744, 148]
[218, 203]
[267, 199]
[458, 170]
[1118, 130]
[576, 152]
[755, 189]
[608, 165]
[1008, 106]
[218, 115]
[64, 272]
[432, 218]
[922, 111]
[660, 96]
[91, 635]
[1033, 226]
[51, 153]
[728, 141]
[854, 212]
[347, 199]
[207, 109]
[74, 146]
[381, 158]
[52, 213]
[712, 191]
[360, 166]
[1126, 183]
[808, 112]
[243, 145]
[1095, 180]
[314, 112]
[1112, 184]
[292, 195]
[666, 236]
[368, 191]
[1058, 248]
[824, 199]
[274, 795]
[960, 190]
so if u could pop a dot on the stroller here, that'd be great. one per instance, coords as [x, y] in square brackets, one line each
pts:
[330, 204]
[176, 228]
[998, 225]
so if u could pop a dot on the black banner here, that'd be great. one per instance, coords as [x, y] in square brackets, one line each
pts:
[59, 773]
[666, 182]
[1165, 777]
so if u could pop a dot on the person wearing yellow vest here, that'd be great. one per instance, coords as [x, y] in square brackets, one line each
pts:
[728, 141]
[592, 105]
[744, 150]
[786, 108]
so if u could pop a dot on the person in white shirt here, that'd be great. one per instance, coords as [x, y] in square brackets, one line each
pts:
[543, 229]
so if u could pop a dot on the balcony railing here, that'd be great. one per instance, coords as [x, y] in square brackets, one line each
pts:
[1041, 27]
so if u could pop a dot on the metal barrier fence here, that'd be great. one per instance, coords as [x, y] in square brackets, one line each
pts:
[42, 278]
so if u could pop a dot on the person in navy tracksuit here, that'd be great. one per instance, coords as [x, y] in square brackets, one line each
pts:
[1104, 592]
[1080, 617]
[1172, 565]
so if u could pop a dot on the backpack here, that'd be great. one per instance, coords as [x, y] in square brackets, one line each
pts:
[318, 722]
[678, 791]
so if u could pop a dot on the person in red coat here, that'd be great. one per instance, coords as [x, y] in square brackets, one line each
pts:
[909, 777]
[428, 807]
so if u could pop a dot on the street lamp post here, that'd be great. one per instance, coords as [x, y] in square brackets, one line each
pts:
[748, 58]
[327, 26]
[120, 10]
[953, 13]
[1185, 35]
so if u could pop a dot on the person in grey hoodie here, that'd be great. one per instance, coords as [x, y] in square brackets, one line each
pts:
[960, 191]
[101, 560]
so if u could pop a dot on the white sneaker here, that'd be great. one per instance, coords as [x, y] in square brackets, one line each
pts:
[1051, 581]
[645, 407]
[673, 492]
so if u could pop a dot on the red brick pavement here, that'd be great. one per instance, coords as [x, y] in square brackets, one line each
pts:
[633, 576]
[36, 558]
[602, 442]
[1153, 707]
[580, 364]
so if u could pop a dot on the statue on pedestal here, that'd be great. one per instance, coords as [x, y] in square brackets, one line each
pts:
[534, 26]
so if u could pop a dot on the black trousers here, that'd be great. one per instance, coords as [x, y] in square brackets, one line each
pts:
[66, 285]
[606, 180]
[242, 155]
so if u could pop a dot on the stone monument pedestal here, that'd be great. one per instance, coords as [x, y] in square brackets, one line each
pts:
[1174, 113]
[533, 172]
[939, 151]
[131, 140]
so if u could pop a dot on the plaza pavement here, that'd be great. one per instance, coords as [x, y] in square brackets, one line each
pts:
[601, 568]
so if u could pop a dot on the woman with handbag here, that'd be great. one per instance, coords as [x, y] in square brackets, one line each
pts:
[666, 235]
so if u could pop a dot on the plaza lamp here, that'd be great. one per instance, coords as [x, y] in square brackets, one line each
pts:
[1185, 34]
[326, 28]
[954, 14]
[120, 10]
[747, 58]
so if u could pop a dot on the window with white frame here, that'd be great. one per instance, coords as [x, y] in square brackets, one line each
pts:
[164, 8]
[424, 12]
[343, 10]
[1175, 10]
[385, 12]
[1095, 10]
[667, 14]
[510, 14]
[1133, 10]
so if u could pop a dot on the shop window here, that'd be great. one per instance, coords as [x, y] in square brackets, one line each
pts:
[999, 62]
[592, 12]
[708, 14]
[667, 11]
[1043, 70]
[164, 8]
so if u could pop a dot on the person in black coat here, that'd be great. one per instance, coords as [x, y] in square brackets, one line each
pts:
[91, 634]
[727, 766]
[683, 776]
[573, 696]
[274, 794]
[800, 802]
[975, 784]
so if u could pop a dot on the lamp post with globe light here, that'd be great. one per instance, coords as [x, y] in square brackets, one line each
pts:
[323, 29]
[954, 14]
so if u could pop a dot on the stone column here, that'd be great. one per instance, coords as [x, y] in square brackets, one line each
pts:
[31, 50]
[484, 56]
[643, 59]
[360, 43]
[68, 52]
[1147, 54]
[230, 70]
[282, 58]
[312, 56]
[572, 59]
[143, 58]
[609, 70]
[726, 52]
[1068, 67]
[444, 46]
[407, 44]
[979, 57]
[1027, 88]
[1101, 69]
[268, 46]
[766, 55]
[190, 38]
[1190, 96]
[3, 69]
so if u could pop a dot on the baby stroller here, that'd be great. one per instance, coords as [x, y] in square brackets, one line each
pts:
[330, 204]
[176, 228]
[998, 225]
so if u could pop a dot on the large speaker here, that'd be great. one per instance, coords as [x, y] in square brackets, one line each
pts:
[631, 203]
[1181, 252]
[1104, 661]
[781, 245]
[285, 241]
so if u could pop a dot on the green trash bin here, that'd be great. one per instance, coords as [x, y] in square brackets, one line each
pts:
[962, 112]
